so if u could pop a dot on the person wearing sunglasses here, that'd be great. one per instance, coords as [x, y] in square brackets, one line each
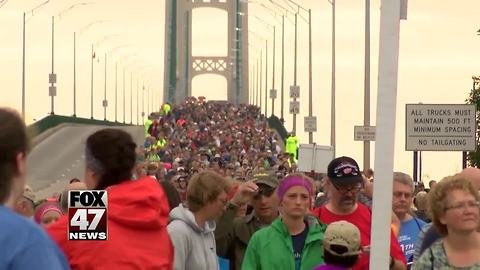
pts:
[232, 234]
[343, 184]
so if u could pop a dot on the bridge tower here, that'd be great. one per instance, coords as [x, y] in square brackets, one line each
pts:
[181, 66]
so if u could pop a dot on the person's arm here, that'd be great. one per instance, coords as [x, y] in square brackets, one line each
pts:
[397, 259]
[224, 230]
[251, 258]
[181, 245]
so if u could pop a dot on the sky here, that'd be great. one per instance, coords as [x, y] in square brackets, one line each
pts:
[439, 52]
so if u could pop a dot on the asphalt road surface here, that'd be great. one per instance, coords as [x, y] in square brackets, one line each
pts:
[60, 157]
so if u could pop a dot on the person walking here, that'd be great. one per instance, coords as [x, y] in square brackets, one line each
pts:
[137, 211]
[293, 241]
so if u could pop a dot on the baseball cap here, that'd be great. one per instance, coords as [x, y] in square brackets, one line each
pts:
[342, 234]
[266, 179]
[344, 170]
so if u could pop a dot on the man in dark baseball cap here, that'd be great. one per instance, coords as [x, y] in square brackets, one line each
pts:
[343, 185]
[232, 234]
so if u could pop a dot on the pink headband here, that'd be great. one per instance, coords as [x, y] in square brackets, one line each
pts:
[44, 209]
[291, 181]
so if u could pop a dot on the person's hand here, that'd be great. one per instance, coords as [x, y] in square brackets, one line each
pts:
[244, 193]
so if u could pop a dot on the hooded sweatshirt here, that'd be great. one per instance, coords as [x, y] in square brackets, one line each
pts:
[137, 235]
[194, 246]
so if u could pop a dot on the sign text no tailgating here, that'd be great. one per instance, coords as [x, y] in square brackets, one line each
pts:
[440, 127]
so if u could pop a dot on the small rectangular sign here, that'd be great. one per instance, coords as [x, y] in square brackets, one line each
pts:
[273, 93]
[294, 91]
[364, 133]
[440, 127]
[87, 215]
[294, 107]
[310, 124]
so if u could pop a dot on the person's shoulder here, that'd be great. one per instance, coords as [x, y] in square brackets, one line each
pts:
[21, 232]
[14, 225]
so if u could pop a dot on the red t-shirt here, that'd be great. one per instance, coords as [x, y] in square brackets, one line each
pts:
[362, 218]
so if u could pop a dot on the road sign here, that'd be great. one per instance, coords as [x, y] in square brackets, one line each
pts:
[52, 91]
[105, 103]
[440, 127]
[310, 123]
[273, 93]
[294, 91]
[294, 107]
[52, 78]
[313, 157]
[364, 133]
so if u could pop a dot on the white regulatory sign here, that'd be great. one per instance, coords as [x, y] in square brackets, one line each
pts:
[273, 93]
[294, 107]
[364, 133]
[294, 91]
[440, 127]
[310, 123]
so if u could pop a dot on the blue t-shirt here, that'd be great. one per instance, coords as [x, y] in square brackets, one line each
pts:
[407, 237]
[298, 242]
[26, 246]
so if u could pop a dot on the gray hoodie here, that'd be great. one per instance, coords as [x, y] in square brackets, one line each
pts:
[194, 246]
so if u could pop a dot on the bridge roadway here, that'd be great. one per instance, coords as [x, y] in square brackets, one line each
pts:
[60, 157]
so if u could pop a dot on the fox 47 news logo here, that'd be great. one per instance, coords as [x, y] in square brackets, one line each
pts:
[87, 215]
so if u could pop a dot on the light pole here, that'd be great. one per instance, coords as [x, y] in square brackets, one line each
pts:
[52, 78]
[366, 98]
[105, 102]
[32, 12]
[75, 63]
[91, 84]
[332, 95]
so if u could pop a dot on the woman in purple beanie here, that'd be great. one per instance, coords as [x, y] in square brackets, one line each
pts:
[293, 241]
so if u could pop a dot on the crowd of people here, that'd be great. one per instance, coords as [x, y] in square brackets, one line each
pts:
[214, 188]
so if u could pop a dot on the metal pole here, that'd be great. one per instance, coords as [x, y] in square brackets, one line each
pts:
[91, 86]
[124, 94]
[116, 93]
[310, 98]
[261, 77]
[143, 103]
[420, 166]
[366, 99]
[23, 70]
[105, 92]
[282, 94]
[295, 72]
[415, 166]
[53, 57]
[273, 72]
[74, 75]
[332, 108]
[137, 102]
[266, 77]
[257, 103]
[131, 97]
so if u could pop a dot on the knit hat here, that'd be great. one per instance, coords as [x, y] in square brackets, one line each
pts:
[292, 181]
[342, 238]
[46, 207]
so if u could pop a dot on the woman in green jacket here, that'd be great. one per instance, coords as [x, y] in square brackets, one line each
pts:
[293, 241]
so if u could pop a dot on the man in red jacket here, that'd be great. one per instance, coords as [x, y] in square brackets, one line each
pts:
[343, 184]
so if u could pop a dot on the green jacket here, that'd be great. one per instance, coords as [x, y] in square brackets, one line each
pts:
[271, 247]
[291, 145]
[232, 235]
[148, 123]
